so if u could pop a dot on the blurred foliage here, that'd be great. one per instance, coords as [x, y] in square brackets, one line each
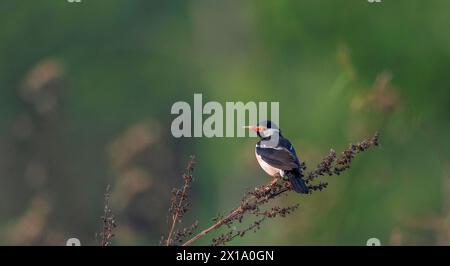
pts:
[86, 92]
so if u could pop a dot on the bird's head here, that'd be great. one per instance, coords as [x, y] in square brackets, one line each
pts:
[265, 129]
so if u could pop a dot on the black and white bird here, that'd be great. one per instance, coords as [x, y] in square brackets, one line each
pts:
[277, 156]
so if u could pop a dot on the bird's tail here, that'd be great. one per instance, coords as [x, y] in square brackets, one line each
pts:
[298, 184]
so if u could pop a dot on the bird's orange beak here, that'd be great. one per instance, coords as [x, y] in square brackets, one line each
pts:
[255, 128]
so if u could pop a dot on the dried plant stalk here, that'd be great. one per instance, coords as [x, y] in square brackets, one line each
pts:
[178, 207]
[255, 199]
[108, 220]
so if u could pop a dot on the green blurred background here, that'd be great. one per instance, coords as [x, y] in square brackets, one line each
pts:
[86, 90]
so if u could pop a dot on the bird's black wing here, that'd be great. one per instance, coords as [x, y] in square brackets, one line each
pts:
[278, 157]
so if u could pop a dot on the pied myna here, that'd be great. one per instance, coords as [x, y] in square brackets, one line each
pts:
[277, 156]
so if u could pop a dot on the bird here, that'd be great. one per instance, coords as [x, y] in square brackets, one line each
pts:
[276, 155]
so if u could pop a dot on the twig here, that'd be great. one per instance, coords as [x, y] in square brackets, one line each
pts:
[250, 202]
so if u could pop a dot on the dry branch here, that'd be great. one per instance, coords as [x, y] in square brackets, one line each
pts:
[108, 221]
[178, 207]
[254, 199]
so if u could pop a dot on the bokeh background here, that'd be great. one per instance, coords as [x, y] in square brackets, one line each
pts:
[86, 90]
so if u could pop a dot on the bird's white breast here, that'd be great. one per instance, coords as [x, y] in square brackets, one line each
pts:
[270, 170]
